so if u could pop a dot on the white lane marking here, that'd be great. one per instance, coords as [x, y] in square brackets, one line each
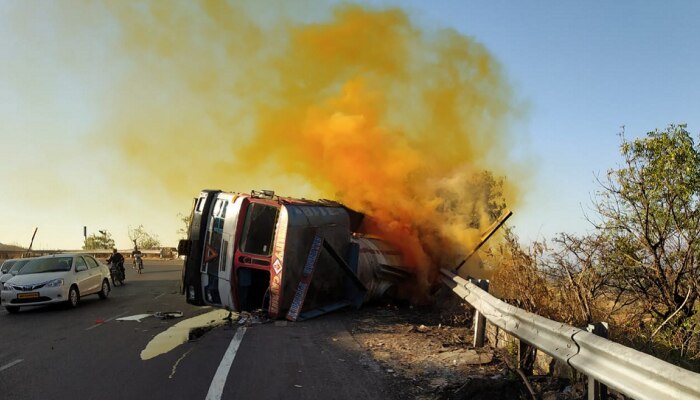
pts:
[6, 366]
[137, 317]
[160, 295]
[216, 388]
[107, 320]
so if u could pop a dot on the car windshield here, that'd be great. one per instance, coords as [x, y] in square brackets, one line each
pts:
[18, 265]
[54, 264]
[7, 265]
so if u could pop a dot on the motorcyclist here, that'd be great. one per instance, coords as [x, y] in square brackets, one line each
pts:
[136, 256]
[117, 259]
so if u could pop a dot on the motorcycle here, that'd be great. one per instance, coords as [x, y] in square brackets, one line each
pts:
[117, 274]
[138, 263]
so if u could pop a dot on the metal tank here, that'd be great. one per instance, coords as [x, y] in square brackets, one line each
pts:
[379, 266]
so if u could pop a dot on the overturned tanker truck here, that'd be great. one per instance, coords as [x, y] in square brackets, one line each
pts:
[293, 258]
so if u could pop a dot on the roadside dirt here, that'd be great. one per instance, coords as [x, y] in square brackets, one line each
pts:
[428, 353]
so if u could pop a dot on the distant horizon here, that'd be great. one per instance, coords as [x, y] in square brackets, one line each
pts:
[5, 246]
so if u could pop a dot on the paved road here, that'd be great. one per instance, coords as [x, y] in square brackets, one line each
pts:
[86, 353]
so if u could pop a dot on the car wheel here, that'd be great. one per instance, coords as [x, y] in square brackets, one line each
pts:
[12, 309]
[105, 290]
[73, 297]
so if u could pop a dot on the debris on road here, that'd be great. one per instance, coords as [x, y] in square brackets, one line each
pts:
[136, 318]
[168, 314]
[158, 314]
[252, 318]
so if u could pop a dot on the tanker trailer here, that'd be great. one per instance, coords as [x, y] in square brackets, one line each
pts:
[292, 258]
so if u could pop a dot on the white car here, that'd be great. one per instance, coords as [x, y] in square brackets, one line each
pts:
[5, 267]
[10, 269]
[56, 278]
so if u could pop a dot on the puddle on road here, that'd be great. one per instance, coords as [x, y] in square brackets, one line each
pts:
[180, 332]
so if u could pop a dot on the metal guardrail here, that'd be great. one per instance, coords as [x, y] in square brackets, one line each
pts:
[126, 253]
[103, 252]
[623, 369]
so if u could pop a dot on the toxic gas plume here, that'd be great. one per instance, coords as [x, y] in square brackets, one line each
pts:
[409, 125]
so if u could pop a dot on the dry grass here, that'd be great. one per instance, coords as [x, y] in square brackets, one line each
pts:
[519, 279]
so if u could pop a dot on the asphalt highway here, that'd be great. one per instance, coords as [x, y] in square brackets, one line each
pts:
[88, 353]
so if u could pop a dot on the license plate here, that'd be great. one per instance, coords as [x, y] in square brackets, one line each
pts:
[32, 295]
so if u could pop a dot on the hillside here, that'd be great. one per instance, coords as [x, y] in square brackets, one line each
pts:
[9, 247]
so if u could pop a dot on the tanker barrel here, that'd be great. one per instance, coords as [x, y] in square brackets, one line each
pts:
[393, 273]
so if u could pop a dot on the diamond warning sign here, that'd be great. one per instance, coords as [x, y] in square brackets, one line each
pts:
[210, 253]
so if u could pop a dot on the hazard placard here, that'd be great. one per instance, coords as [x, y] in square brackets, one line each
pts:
[210, 253]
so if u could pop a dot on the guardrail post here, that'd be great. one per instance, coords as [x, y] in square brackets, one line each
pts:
[526, 357]
[597, 390]
[479, 319]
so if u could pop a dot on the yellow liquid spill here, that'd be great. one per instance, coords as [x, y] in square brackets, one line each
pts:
[180, 332]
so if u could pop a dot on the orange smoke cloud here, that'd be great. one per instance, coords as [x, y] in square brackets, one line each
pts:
[363, 107]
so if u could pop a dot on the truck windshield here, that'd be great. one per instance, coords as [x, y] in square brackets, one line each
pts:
[259, 229]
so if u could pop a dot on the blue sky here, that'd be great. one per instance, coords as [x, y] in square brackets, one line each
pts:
[585, 69]
[581, 69]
